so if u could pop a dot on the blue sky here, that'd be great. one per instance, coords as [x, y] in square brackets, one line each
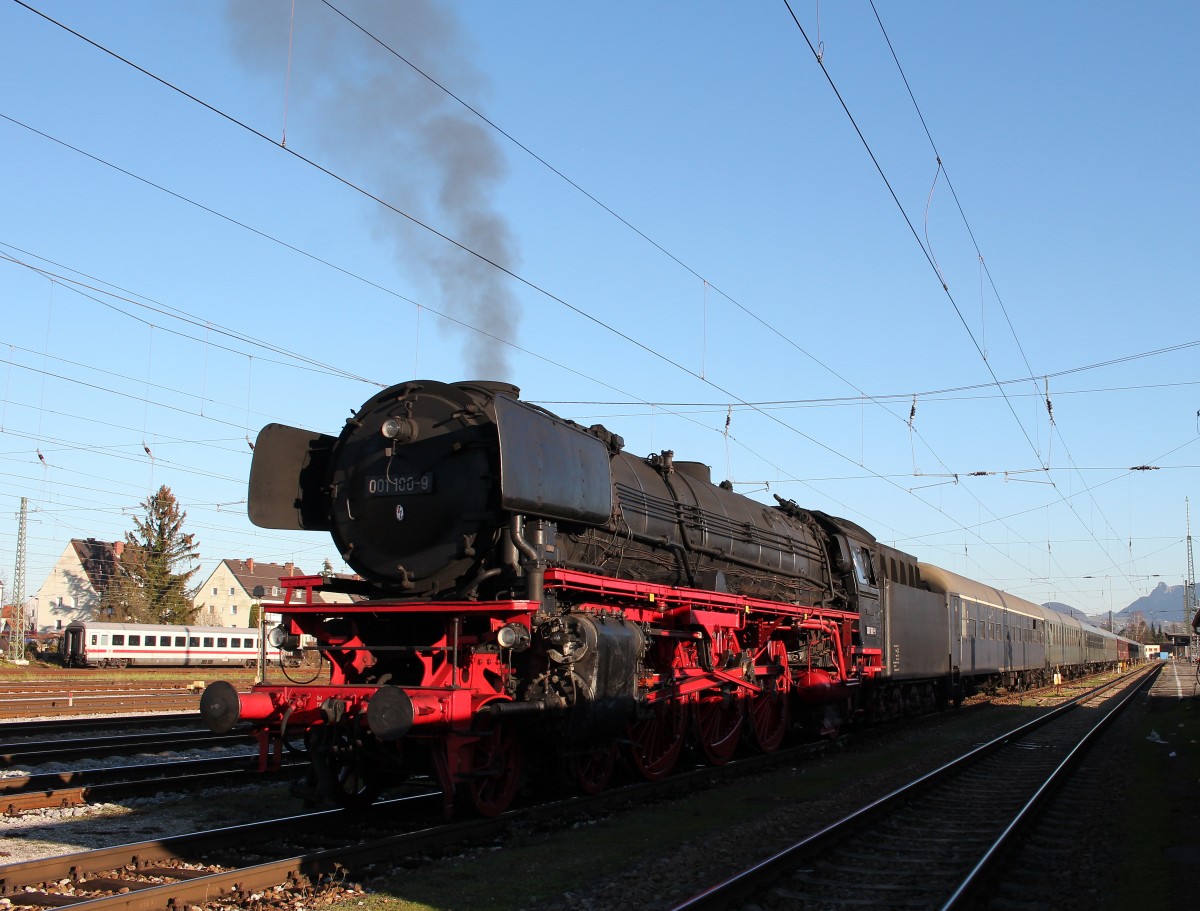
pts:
[688, 242]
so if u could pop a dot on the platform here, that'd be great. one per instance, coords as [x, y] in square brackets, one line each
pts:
[1162, 825]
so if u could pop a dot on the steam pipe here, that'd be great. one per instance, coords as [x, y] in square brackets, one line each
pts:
[534, 565]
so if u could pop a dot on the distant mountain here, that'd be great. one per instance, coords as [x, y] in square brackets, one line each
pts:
[1163, 604]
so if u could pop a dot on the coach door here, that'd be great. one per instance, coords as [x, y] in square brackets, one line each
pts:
[958, 632]
[73, 648]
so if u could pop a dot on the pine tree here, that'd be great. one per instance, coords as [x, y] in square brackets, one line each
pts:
[158, 559]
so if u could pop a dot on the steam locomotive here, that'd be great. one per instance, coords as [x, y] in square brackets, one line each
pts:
[532, 601]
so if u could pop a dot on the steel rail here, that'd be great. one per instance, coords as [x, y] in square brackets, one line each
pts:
[74, 725]
[43, 751]
[45, 781]
[976, 876]
[13, 802]
[15, 879]
[727, 893]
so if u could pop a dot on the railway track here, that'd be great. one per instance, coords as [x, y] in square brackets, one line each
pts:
[98, 876]
[91, 679]
[71, 789]
[291, 853]
[69, 704]
[931, 843]
[38, 790]
[78, 726]
[298, 854]
[37, 752]
[34, 697]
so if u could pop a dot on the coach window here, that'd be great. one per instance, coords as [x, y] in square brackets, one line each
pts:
[222, 642]
[208, 641]
[235, 642]
[135, 640]
[118, 638]
[151, 641]
[193, 641]
[180, 642]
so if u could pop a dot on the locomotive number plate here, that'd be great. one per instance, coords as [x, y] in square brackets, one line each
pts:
[400, 484]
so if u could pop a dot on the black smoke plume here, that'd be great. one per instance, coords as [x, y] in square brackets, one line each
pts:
[401, 138]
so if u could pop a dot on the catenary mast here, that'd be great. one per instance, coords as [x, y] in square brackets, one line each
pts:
[16, 624]
[1189, 588]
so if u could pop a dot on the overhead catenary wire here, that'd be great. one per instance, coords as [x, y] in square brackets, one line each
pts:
[701, 375]
[466, 249]
[927, 252]
[702, 370]
[966, 222]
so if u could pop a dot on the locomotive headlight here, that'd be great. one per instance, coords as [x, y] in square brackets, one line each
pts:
[514, 636]
[402, 430]
[279, 637]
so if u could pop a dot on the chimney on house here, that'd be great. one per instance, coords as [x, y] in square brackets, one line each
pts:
[118, 548]
[291, 568]
[250, 564]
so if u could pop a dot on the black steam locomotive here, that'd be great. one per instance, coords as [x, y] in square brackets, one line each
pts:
[532, 596]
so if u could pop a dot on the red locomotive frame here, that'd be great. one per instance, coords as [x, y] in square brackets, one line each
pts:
[712, 660]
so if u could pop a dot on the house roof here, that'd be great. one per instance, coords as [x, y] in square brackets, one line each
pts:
[258, 579]
[98, 559]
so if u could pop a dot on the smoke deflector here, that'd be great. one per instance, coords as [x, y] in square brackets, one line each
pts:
[549, 468]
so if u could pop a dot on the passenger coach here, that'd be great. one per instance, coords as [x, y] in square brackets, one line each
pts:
[996, 636]
[88, 643]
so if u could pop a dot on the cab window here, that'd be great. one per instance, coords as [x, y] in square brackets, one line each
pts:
[863, 568]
